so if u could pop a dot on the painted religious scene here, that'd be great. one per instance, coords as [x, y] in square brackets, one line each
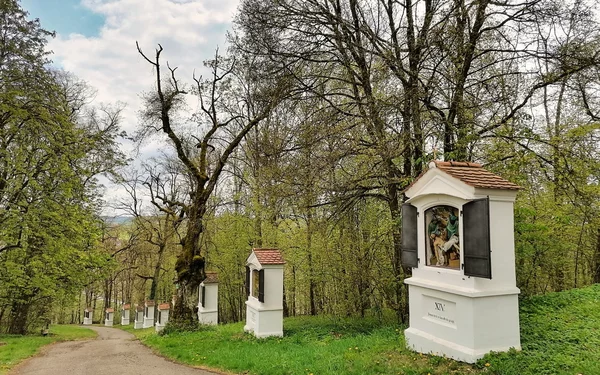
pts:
[442, 246]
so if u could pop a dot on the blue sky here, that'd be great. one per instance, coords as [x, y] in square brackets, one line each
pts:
[65, 16]
[96, 42]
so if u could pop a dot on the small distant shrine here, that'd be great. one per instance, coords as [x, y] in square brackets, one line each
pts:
[458, 237]
[108, 317]
[88, 315]
[148, 314]
[125, 314]
[138, 323]
[163, 316]
[208, 299]
[264, 283]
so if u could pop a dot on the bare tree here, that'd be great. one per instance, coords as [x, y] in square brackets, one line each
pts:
[232, 102]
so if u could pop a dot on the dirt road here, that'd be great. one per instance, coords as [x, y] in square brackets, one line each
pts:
[113, 352]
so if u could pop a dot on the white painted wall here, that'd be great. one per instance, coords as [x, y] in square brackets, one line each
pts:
[108, 319]
[209, 313]
[88, 320]
[125, 317]
[139, 320]
[148, 316]
[164, 318]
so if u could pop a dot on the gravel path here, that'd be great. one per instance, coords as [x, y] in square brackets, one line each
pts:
[113, 352]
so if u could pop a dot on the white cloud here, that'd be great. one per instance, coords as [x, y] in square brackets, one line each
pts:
[189, 31]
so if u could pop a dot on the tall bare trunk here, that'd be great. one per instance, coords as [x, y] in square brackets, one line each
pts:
[596, 270]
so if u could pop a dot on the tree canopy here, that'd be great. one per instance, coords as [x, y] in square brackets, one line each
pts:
[51, 149]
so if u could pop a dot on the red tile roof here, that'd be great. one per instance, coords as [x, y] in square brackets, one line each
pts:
[110, 310]
[126, 306]
[474, 175]
[268, 256]
[211, 278]
[164, 306]
[139, 308]
[149, 303]
[89, 309]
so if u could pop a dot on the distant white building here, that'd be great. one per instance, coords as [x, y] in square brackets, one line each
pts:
[139, 317]
[88, 315]
[264, 280]
[163, 316]
[208, 299]
[108, 317]
[125, 314]
[149, 314]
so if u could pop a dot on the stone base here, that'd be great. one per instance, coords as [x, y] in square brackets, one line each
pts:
[210, 317]
[124, 322]
[108, 323]
[148, 322]
[261, 335]
[422, 342]
[263, 322]
[138, 325]
[159, 327]
[461, 323]
[87, 321]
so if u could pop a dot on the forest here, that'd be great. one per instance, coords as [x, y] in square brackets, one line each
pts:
[303, 137]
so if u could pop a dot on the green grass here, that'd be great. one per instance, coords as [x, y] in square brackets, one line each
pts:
[560, 334]
[317, 345]
[14, 348]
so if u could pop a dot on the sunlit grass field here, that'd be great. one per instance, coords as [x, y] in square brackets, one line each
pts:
[560, 334]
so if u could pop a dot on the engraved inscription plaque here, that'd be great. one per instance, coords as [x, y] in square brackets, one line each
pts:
[440, 311]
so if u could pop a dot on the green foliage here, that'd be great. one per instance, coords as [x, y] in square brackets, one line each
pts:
[338, 258]
[51, 149]
[557, 212]
[14, 348]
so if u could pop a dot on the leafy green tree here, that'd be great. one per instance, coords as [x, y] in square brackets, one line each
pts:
[51, 149]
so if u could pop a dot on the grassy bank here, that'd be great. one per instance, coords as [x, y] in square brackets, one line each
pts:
[560, 334]
[14, 349]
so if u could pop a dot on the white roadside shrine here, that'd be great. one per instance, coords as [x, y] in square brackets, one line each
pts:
[109, 317]
[138, 323]
[458, 237]
[163, 316]
[125, 314]
[264, 280]
[208, 299]
[148, 314]
[88, 315]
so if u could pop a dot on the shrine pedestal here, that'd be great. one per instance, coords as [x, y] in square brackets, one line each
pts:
[264, 307]
[458, 237]
[208, 300]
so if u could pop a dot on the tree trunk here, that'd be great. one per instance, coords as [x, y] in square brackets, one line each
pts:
[106, 302]
[190, 264]
[311, 274]
[19, 315]
[596, 270]
[157, 266]
[400, 273]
